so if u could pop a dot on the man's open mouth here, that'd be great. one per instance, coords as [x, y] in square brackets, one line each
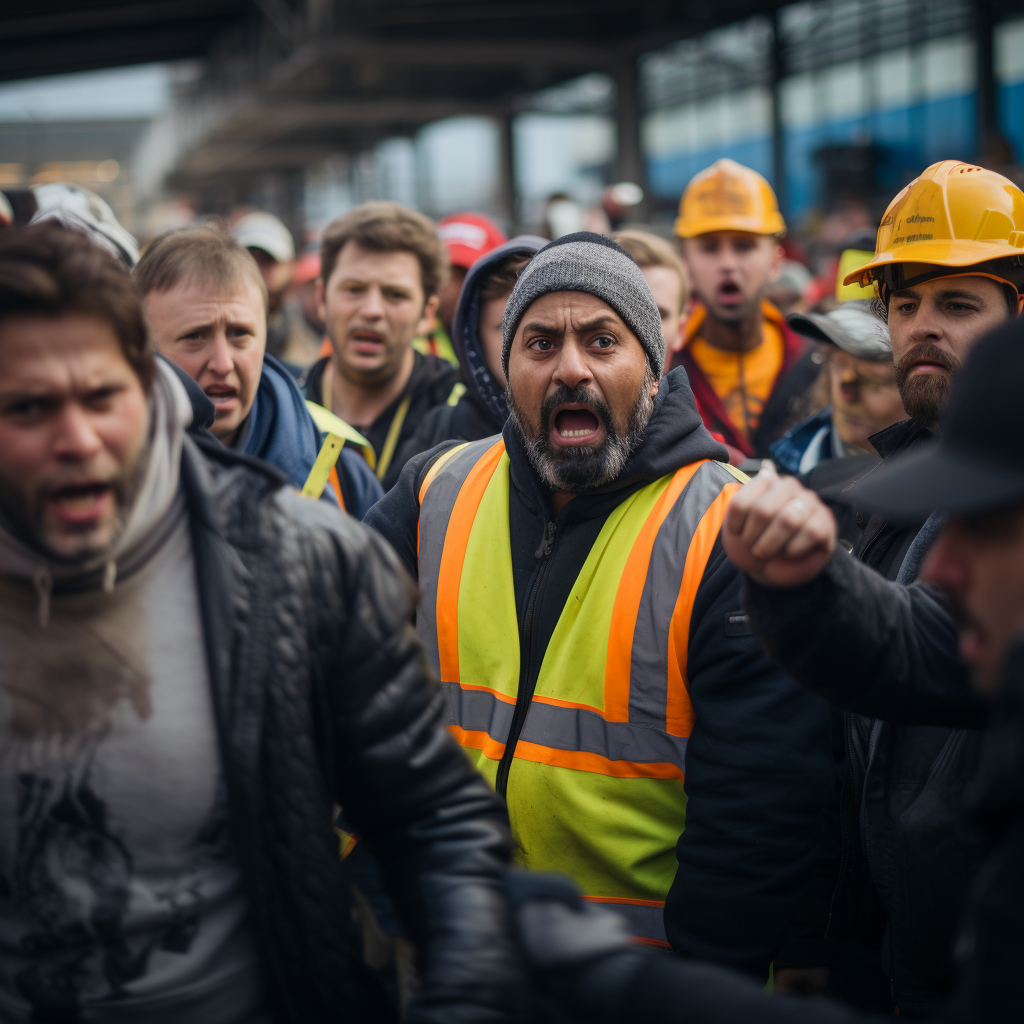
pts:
[222, 395]
[576, 424]
[729, 294]
[80, 502]
[366, 341]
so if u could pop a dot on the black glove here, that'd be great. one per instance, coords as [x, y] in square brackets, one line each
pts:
[581, 954]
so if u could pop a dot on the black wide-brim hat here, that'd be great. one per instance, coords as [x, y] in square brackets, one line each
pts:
[977, 465]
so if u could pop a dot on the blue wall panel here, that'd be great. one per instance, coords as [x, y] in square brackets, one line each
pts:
[1011, 116]
[911, 138]
[668, 176]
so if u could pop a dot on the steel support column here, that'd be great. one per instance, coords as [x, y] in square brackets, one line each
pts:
[508, 193]
[630, 164]
[987, 112]
[776, 71]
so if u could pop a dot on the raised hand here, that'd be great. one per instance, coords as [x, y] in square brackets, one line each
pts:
[777, 531]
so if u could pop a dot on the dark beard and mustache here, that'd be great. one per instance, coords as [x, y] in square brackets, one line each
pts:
[924, 396]
[582, 468]
[22, 514]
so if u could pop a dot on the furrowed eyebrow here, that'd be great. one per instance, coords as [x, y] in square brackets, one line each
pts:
[591, 325]
[536, 325]
[194, 328]
[599, 321]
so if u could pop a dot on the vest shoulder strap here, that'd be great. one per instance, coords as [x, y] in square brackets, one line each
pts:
[436, 466]
[733, 471]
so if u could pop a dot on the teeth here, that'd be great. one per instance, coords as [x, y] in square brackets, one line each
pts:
[78, 501]
[574, 433]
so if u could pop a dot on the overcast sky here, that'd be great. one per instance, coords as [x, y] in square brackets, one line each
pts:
[140, 91]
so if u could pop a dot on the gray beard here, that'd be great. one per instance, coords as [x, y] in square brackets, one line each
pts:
[581, 469]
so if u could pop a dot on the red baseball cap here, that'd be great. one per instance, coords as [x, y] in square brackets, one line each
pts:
[307, 267]
[468, 236]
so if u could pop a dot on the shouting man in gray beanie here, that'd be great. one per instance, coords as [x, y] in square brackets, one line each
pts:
[587, 629]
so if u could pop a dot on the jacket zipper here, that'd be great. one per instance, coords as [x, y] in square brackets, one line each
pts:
[527, 683]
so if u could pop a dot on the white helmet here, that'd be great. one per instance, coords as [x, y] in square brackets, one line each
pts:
[83, 211]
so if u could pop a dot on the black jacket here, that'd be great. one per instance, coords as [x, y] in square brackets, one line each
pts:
[629, 986]
[758, 762]
[909, 850]
[467, 420]
[481, 411]
[322, 696]
[430, 384]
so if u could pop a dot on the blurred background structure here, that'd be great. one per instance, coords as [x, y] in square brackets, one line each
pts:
[176, 108]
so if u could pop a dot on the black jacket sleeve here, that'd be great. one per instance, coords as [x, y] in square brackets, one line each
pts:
[396, 516]
[759, 771]
[438, 833]
[872, 646]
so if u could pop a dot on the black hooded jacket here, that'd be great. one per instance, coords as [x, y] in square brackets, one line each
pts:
[758, 762]
[909, 850]
[633, 985]
[481, 411]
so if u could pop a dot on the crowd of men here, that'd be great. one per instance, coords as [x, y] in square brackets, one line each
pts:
[391, 632]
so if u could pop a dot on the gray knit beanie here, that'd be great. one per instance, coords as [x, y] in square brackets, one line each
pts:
[588, 262]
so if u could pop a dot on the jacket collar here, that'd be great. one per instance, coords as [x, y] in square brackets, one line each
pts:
[900, 437]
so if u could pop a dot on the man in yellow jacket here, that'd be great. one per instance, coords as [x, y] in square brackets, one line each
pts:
[586, 626]
[744, 363]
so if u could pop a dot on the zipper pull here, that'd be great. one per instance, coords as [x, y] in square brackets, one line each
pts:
[545, 545]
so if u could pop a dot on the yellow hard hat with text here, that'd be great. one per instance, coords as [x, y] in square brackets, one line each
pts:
[952, 215]
[728, 197]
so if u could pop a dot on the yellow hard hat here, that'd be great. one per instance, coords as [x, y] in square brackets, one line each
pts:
[728, 197]
[952, 215]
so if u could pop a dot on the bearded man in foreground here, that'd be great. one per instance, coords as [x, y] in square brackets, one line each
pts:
[585, 622]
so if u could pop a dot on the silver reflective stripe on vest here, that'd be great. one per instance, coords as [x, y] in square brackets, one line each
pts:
[436, 511]
[549, 725]
[649, 657]
[644, 922]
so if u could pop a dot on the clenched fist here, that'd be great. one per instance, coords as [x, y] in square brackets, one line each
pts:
[777, 531]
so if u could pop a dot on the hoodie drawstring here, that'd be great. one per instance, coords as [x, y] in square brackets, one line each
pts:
[109, 576]
[42, 580]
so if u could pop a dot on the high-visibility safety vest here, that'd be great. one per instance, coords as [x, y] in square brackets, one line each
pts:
[595, 789]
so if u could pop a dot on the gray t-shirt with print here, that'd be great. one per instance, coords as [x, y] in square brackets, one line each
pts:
[119, 897]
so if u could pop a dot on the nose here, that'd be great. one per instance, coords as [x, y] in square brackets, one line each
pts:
[372, 306]
[945, 566]
[728, 258]
[220, 361]
[926, 325]
[848, 383]
[572, 369]
[76, 438]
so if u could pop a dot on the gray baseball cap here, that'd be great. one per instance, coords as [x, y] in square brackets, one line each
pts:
[853, 327]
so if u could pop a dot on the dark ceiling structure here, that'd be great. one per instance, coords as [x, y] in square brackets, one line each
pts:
[287, 82]
[45, 37]
[284, 83]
